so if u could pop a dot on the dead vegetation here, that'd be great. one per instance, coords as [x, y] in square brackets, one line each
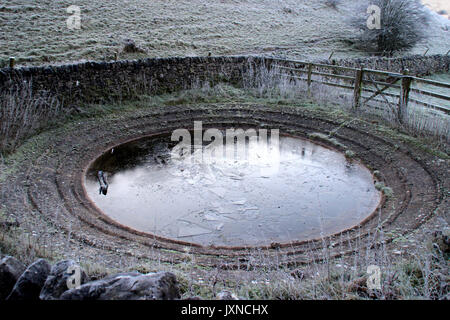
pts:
[275, 84]
[419, 269]
[23, 113]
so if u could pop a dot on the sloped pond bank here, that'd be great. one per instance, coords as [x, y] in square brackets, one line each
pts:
[42, 188]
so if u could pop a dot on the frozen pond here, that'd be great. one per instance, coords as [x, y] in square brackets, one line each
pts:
[253, 198]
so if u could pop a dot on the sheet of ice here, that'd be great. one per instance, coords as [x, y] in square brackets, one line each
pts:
[304, 192]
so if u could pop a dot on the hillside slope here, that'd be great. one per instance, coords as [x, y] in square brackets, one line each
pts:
[37, 33]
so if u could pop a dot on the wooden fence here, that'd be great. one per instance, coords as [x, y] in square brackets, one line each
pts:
[396, 89]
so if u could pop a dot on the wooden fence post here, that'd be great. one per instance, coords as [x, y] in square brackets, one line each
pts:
[358, 88]
[331, 55]
[404, 96]
[309, 78]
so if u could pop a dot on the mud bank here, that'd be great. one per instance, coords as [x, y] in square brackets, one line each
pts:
[42, 186]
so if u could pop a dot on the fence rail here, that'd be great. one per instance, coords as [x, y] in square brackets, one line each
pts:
[398, 86]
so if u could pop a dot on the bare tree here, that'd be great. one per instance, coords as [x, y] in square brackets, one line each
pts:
[402, 25]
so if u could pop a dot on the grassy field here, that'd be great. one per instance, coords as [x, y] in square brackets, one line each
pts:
[35, 32]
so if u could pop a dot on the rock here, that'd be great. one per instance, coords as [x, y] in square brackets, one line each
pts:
[10, 271]
[30, 283]
[128, 286]
[226, 295]
[130, 46]
[56, 283]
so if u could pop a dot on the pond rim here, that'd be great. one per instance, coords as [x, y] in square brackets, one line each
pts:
[102, 215]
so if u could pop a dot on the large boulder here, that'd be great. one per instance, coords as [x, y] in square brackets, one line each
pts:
[60, 274]
[30, 283]
[10, 271]
[128, 286]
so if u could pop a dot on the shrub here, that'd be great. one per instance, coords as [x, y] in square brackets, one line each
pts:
[402, 26]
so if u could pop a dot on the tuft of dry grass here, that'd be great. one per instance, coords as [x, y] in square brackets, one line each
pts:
[23, 113]
[416, 271]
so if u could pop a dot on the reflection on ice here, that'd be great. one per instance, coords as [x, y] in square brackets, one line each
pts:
[298, 191]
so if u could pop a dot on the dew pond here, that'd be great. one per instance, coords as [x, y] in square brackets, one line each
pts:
[273, 192]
